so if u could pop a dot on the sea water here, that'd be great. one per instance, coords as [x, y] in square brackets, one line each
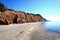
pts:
[53, 26]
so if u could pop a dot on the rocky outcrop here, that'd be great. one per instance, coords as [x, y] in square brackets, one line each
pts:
[11, 17]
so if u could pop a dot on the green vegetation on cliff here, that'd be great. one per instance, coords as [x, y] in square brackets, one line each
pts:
[2, 7]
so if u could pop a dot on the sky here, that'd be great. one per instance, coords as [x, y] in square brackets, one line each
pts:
[49, 9]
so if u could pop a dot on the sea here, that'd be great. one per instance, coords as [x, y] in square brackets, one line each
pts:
[52, 26]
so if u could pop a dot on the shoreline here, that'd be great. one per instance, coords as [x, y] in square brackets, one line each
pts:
[27, 31]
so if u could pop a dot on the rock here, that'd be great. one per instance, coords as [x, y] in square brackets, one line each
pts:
[7, 16]
[2, 20]
[21, 17]
[11, 17]
[30, 18]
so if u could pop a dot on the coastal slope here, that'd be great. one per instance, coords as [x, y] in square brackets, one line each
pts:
[10, 16]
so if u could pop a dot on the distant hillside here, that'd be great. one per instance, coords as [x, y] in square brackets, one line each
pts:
[9, 16]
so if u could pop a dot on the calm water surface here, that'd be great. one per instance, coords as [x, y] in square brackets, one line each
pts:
[53, 26]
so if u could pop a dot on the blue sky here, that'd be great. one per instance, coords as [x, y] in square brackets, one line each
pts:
[49, 9]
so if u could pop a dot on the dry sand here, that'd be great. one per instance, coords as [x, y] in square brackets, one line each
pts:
[27, 31]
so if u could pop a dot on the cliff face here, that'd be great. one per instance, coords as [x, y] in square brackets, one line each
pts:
[11, 16]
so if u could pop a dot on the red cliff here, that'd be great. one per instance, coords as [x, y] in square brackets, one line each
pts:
[8, 16]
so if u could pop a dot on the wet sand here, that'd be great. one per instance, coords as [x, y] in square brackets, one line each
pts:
[27, 31]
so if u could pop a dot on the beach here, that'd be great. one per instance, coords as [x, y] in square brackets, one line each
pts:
[27, 31]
